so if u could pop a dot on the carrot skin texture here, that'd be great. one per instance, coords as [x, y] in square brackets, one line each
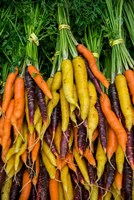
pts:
[8, 89]
[64, 142]
[92, 64]
[30, 87]
[43, 184]
[130, 147]
[55, 118]
[41, 103]
[114, 100]
[92, 173]
[127, 181]
[112, 120]
[101, 125]
[54, 187]
[35, 74]
[19, 97]
[82, 139]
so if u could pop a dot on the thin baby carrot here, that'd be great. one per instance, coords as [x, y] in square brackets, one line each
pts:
[35, 74]
[89, 156]
[92, 63]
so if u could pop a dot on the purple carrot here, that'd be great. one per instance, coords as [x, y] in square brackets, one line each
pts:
[33, 193]
[127, 181]
[101, 125]
[16, 185]
[82, 138]
[55, 118]
[30, 87]
[31, 167]
[2, 173]
[80, 176]
[64, 142]
[48, 139]
[114, 100]
[78, 192]
[92, 77]
[110, 173]
[85, 193]
[43, 184]
[41, 103]
[74, 177]
[101, 184]
[92, 173]
[130, 147]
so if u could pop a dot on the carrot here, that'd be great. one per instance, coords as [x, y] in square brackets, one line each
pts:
[68, 81]
[129, 149]
[119, 159]
[64, 111]
[111, 144]
[92, 64]
[94, 192]
[57, 137]
[113, 121]
[60, 162]
[49, 84]
[57, 80]
[31, 141]
[129, 74]
[19, 97]
[24, 157]
[35, 151]
[2, 173]
[37, 115]
[2, 119]
[118, 180]
[26, 186]
[48, 165]
[92, 174]
[82, 138]
[5, 151]
[5, 191]
[80, 76]
[95, 134]
[124, 99]
[73, 107]
[101, 160]
[82, 166]
[89, 156]
[70, 162]
[75, 130]
[35, 74]
[93, 118]
[8, 89]
[56, 115]
[70, 193]
[63, 177]
[61, 193]
[54, 187]
[37, 171]
[19, 125]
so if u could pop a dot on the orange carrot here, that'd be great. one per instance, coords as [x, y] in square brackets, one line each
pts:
[54, 187]
[26, 186]
[92, 64]
[89, 156]
[10, 109]
[35, 74]
[118, 180]
[70, 161]
[19, 97]
[35, 151]
[113, 121]
[129, 74]
[95, 135]
[5, 151]
[8, 89]
[2, 119]
[24, 157]
[19, 125]
[112, 143]
[31, 141]
[37, 171]
[60, 163]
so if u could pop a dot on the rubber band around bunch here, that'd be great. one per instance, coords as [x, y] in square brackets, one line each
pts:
[64, 26]
[34, 39]
[115, 42]
[96, 55]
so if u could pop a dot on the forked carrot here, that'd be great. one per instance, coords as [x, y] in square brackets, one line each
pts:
[113, 121]
[8, 89]
[92, 63]
[35, 74]
[54, 187]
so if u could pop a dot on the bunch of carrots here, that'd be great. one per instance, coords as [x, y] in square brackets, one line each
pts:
[70, 137]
